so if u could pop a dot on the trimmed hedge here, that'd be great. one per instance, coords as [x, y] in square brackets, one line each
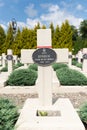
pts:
[22, 77]
[17, 65]
[8, 114]
[79, 65]
[83, 112]
[4, 69]
[68, 76]
[58, 66]
[33, 67]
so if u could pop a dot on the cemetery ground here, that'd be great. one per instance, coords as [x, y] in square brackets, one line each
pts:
[19, 94]
[76, 94]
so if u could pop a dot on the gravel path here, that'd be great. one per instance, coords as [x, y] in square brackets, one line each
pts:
[76, 98]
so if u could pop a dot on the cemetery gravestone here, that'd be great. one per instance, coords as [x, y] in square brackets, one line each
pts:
[3, 60]
[9, 60]
[68, 120]
[84, 65]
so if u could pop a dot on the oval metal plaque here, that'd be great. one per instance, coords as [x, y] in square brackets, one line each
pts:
[9, 57]
[44, 56]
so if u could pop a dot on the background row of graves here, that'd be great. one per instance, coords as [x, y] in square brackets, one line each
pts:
[63, 56]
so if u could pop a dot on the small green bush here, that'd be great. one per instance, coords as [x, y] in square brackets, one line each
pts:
[8, 114]
[83, 112]
[79, 65]
[74, 61]
[22, 77]
[4, 69]
[33, 67]
[58, 66]
[17, 65]
[68, 76]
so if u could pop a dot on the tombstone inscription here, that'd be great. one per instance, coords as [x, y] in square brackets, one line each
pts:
[44, 56]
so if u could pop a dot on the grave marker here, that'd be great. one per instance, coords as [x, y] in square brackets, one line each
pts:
[84, 65]
[9, 60]
[44, 73]
[3, 59]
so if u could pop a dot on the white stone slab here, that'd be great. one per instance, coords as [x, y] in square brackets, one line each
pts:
[69, 119]
[26, 55]
[44, 38]
[62, 55]
[84, 50]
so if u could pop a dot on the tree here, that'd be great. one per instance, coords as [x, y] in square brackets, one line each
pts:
[2, 39]
[66, 36]
[9, 39]
[83, 29]
[52, 31]
[17, 46]
[78, 45]
[74, 33]
[43, 27]
[56, 42]
[37, 26]
[28, 38]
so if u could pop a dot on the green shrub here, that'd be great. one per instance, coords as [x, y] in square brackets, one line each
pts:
[79, 65]
[68, 76]
[4, 69]
[83, 112]
[17, 65]
[22, 77]
[58, 66]
[33, 67]
[74, 61]
[8, 114]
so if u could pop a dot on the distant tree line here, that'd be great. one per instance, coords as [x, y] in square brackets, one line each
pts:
[66, 36]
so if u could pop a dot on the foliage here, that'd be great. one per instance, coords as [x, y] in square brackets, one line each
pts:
[66, 36]
[74, 61]
[17, 65]
[22, 77]
[2, 38]
[68, 76]
[83, 29]
[17, 45]
[33, 67]
[58, 66]
[83, 112]
[79, 65]
[42, 113]
[9, 39]
[56, 38]
[8, 114]
[4, 69]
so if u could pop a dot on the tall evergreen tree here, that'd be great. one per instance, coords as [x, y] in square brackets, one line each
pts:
[56, 42]
[43, 27]
[83, 29]
[2, 39]
[9, 39]
[66, 36]
[17, 46]
[52, 31]
[28, 38]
